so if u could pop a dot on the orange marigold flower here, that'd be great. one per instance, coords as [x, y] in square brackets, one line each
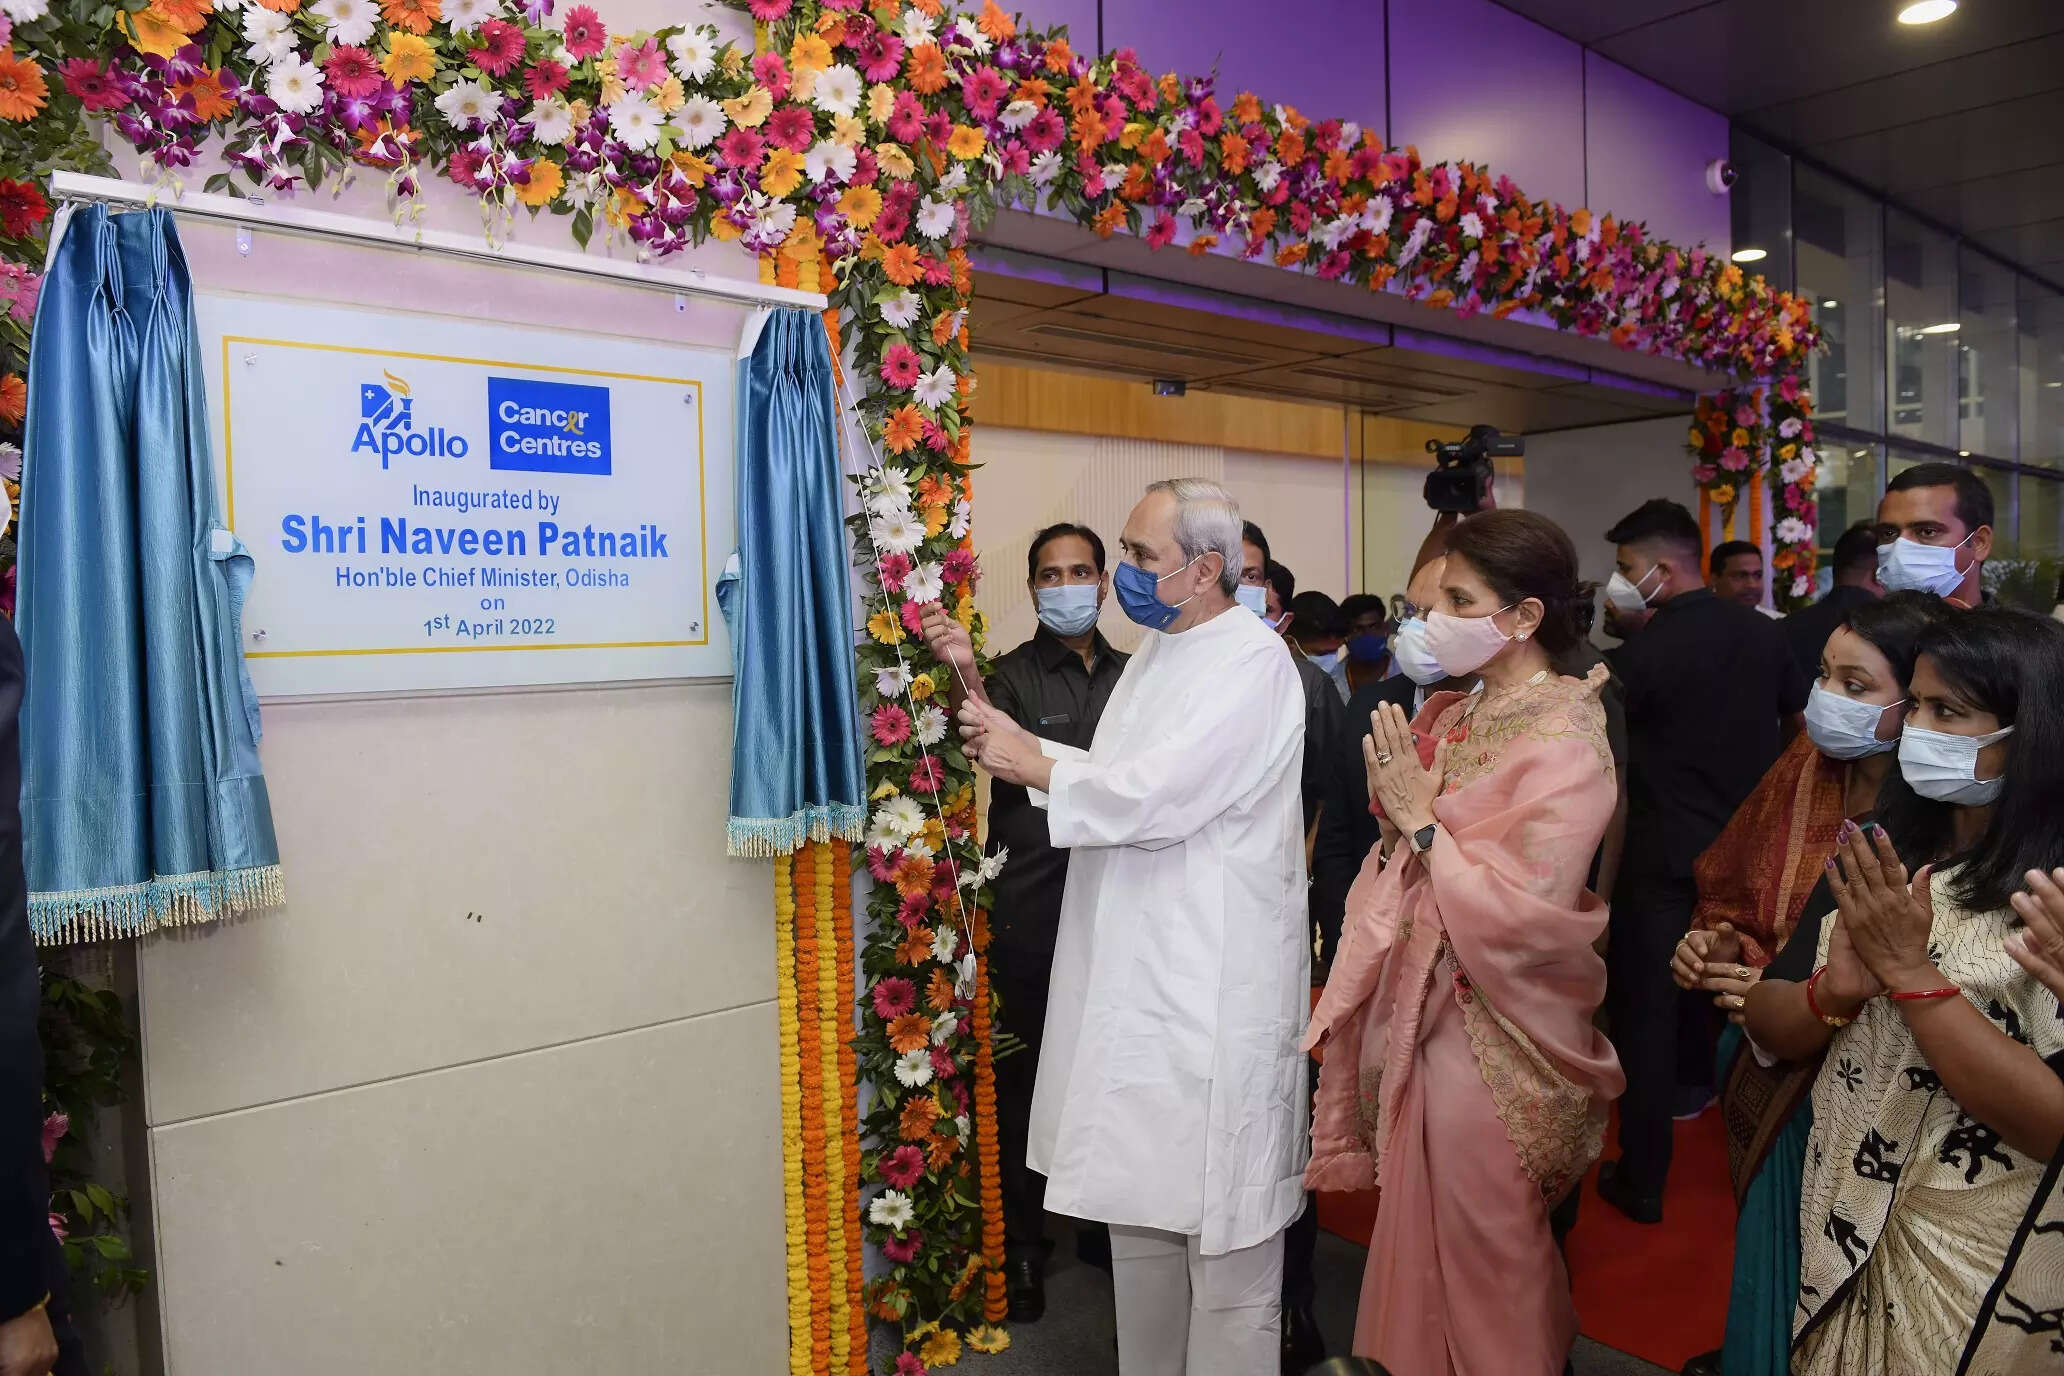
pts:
[22, 89]
[939, 993]
[1059, 56]
[416, 16]
[900, 264]
[14, 399]
[926, 69]
[911, 1032]
[903, 431]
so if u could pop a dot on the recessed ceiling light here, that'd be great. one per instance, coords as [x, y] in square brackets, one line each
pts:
[1946, 327]
[1927, 11]
[1963, 453]
[1829, 304]
[1749, 255]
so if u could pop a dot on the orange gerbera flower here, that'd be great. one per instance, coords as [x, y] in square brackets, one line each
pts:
[939, 993]
[1109, 219]
[944, 1148]
[919, 1114]
[14, 399]
[546, 181]
[1034, 91]
[1290, 147]
[916, 947]
[1247, 108]
[1232, 153]
[1203, 244]
[913, 876]
[1262, 222]
[911, 1032]
[1059, 56]
[926, 69]
[22, 88]
[900, 264]
[934, 491]
[282, 6]
[861, 205]
[943, 328]
[903, 431]
[1083, 97]
[416, 16]
[210, 100]
[996, 24]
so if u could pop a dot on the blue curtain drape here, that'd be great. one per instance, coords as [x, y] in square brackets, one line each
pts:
[143, 804]
[795, 738]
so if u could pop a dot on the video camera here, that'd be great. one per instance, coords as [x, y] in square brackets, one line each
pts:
[1462, 472]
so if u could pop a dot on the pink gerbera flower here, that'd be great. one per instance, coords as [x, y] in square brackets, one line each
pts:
[903, 1250]
[891, 724]
[544, 78]
[878, 865]
[900, 366]
[586, 35]
[352, 71]
[984, 89]
[55, 1126]
[906, 119]
[741, 149]
[959, 566]
[912, 913]
[903, 1168]
[90, 82]
[892, 570]
[769, 11]
[500, 49]
[907, 1364]
[1161, 232]
[942, 1063]
[792, 126]
[894, 997]
[928, 775]
[1045, 132]
[641, 67]
[771, 72]
[913, 619]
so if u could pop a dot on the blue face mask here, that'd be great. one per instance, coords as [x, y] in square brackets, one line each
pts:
[1368, 648]
[1139, 593]
[1067, 610]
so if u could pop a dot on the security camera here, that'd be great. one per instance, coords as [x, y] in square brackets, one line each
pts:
[1721, 176]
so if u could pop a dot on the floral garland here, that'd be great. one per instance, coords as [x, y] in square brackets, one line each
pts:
[858, 146]
[1727, 444]
[788, 1014]
[1794, 467]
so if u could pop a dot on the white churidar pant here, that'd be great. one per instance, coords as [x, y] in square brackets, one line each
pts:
[1181, 1313]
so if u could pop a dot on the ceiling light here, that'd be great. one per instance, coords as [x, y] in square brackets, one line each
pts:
[1749, 255]
[1963, 453]
[1829, 304]
[1946, 327]
[1927, 11]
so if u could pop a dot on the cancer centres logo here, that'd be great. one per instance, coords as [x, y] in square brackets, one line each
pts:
[533, 426]
[387, 427]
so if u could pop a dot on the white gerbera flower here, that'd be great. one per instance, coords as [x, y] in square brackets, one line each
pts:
[294, 85]
[828, 161]
[931, 726]
[889, 479]
[463, 15]
[943, 1028]
[24, 11]
[636, 122]
[900, 535]
[892, 1208]
[887, 505]
[1792, 470]
[838, 90]
[915, 27]
[902, 815]
[892, 681]
[945, 943]
[1808, 455]
[956, 178]
[771, 222]
[1018, 114]
[1789, 427]
[1045, 168]
[1802, 586]
[551, 121]
[924, 584]
[1267, 175]
[966, 35]
[1471, 225]
[963, 518]
[695, 54]
[268, 37]
[935, 388]
[702, 121]
[934, 218]
[470, 105]
[919, 847]
[347, 21]
[1793, 531]
[913, 1071]
[901, 309]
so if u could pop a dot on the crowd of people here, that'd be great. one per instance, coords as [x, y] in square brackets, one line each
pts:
[1408, 895]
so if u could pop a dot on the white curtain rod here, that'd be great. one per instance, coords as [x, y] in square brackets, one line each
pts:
[323, 224]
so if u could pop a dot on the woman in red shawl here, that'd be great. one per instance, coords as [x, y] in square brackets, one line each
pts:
[1462, 1070]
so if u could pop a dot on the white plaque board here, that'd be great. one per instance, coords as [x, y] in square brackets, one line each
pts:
[441, 503]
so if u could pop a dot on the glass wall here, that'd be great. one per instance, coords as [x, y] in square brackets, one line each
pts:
[1936, 351]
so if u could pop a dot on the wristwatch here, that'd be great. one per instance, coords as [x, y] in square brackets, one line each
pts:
[1422, 839]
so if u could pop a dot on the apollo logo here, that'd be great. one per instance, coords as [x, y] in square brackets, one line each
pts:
[387, 426]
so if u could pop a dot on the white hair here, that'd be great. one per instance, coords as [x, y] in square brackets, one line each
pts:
[1207, 521]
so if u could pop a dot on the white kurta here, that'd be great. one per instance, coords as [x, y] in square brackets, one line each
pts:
[1171, 1089]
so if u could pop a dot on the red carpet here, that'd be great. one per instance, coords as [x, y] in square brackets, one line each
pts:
[1659, 1293]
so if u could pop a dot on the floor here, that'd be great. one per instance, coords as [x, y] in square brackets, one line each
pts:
[1077, 1337]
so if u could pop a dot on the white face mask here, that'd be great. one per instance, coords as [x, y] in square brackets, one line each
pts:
[1628, 596]
[1408, 648]
[1843, 728]
[1910, 566]
[1944, 767]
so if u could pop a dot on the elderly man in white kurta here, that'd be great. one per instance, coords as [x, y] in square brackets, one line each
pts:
[1170, 1095]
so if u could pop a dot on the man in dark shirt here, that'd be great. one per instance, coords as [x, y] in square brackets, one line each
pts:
[1368, 648]
[1736, 570]
[1856, 582]
[1711, 694]
[1055, 685]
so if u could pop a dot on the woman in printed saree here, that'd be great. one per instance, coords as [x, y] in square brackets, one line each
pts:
[1462, 1071]
[1940, 1097]
[1756, 882]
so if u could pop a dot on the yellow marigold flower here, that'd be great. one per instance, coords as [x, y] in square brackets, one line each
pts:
[965, 142]
[750, 110]
[545, 184]
[782, 172]
[894, 161]
[885, 628]
[881, 102]
[408, 58]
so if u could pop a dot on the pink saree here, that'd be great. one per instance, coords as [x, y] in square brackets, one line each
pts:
[1462, 1071]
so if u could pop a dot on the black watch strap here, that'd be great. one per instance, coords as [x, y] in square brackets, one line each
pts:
[1422, 839]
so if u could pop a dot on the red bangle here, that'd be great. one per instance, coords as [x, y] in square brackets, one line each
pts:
[1813, 1004]
[1947, 991]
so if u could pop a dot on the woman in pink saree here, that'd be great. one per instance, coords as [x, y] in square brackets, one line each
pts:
[1462, 1071]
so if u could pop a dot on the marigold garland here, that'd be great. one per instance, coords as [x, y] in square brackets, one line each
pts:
[810, 1063]
[792, 1197]
[996, 1304]
[849, 1138]
[831, 1298]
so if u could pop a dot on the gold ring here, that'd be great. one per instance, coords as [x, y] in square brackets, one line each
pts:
[1741, 972]
[1383, 757]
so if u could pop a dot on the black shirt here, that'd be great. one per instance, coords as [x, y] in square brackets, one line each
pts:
[1347, 830]
[24, 1185]
[1807, 630]
[1045, 688]
[1708, 683]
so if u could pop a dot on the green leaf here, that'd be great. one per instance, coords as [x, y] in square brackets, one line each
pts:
[583, 226]
[111, 1247]
[102, 1199]
[82, 1204]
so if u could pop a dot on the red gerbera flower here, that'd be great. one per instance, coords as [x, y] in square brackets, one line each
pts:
[904, 1249]
[793, 127]
[903, 1167]
[891, 725]
[352, 71]
[894, 997]
[22, 208]
[585, 33]
[90, 82]
[741, 149]
[501, 48]
[900, 366]
[544, 79]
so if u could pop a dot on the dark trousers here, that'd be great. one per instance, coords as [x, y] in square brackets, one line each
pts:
[1648, 1014]
[1301, 1238]
[1020, 978]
